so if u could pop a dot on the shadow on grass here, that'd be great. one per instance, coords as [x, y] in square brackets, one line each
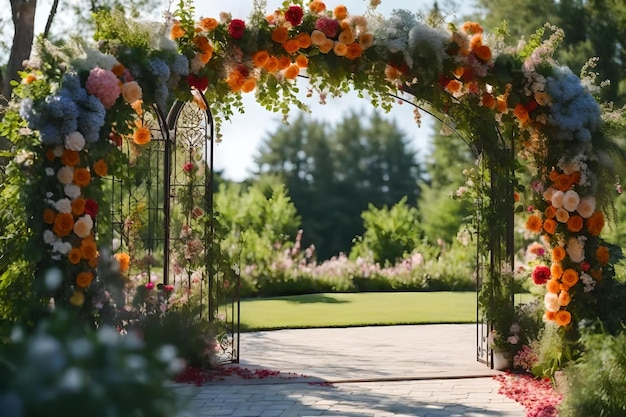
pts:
[311, 298]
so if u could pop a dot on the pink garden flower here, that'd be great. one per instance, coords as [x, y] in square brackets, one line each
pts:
[104, 85]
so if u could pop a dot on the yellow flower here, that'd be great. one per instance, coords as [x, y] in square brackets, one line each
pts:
[142, 136]
[534, 223]
[77, 299]
[124, 260]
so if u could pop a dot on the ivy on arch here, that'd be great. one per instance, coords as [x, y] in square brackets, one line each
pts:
[78, 105]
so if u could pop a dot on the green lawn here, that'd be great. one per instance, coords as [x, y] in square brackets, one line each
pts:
[360, 309]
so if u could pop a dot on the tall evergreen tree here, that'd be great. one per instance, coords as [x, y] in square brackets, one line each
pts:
[332, 174]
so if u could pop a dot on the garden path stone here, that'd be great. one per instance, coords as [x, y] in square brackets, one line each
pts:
[425, 371]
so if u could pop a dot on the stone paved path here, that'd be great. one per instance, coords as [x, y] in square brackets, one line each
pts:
[423, 371]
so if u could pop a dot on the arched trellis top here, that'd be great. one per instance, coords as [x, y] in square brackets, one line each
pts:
[80, 103]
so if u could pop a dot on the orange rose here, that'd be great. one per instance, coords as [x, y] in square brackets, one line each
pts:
[260, 58]
[556, 270]
[488, 101]
[248, 85]
[50, 154]
[48, 216]
[326, 46]
[553, 286]
[280, 35]
[304, 40]
[501, 104]
[177, 31]
[340, 12]
[558, 253]
[142, 136]
[83, 279]
[549, 225]
[317, 6]
[483, 52]
[453, 86]
[63, 224]
[521, 113]
[88, 249]
[563, 182]
[283, 62]
[550, 212]
[340, 49]
[354, 51]
[302, 61]
[291, 46]
[203, 44]
[208, 23]
[534, 223]
[272, 65]
[82, 177]
[70, 158]
[78, 206]
[472, 28]
[570, 277]
[564, 298]
[292, 72]
[101, 168]
[596, 274]
[553, 175]
[346, 36]
[124, 260]
[74, 256]
[575, 224]
[118, 69]
[563, 317]
[595, 223]
[550, 316]
[602, 255]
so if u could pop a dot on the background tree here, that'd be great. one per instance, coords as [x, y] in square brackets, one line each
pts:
[333, 173]
[440, 215]
[592, 28]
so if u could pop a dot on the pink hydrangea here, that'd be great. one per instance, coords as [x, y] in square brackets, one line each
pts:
[104, 85]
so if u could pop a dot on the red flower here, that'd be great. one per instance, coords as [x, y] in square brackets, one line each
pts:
[294, 15]
[541, 274]
[531, 105]
[585, 266]
[116, 139]
[150, 286]
[91, 208]
[327, 26]
[189, 167]
[236, 28]
[200, 83]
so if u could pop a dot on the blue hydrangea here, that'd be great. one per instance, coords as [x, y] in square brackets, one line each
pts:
[180, 65]
[50, 133]
[574, 111]
[159, 70]
[72, 88]
[91, 118]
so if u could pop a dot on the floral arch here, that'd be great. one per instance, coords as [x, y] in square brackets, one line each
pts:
[77, 109]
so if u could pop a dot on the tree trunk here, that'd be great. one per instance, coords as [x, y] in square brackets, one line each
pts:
[23, 12]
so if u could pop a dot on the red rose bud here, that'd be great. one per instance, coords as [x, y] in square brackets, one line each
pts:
[236, 28]
[294, 15]
[531, 105]
[541, 274]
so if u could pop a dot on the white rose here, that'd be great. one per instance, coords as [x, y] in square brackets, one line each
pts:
[557, 199]
[49, 171]
[64, 205]
[75, 141]
[65, 175]
[49, 237]
[575, 250]
[569, 168]
[587, 206]
[62, 247]
[551, 302]
[58, 151]
[72, 191]
[83, 226]
[571, 200]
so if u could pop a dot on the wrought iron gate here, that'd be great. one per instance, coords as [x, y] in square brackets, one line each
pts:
[163, 215]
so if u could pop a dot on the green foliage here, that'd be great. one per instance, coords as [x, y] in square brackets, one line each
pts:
[334, 172]
[62, 368]
[390, 233]
[596, 382]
